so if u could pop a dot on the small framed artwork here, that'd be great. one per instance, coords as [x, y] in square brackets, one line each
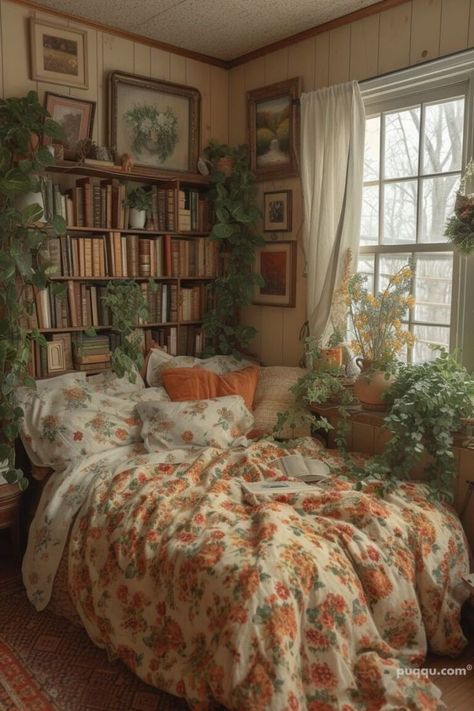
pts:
[58, 54]
[277, 211]
[276, 263]
[76, 116]
[155, 122]
[273, 129]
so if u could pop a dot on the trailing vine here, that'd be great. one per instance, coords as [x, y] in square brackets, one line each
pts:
[236, 214]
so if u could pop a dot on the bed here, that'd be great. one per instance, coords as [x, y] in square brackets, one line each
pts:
[320, 599]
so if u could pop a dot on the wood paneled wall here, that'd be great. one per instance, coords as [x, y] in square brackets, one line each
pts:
[415, 32]
[108, 52]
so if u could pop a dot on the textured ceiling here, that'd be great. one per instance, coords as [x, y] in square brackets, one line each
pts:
[224, 29]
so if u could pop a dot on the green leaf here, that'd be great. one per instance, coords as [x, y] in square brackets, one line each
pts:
[14, 183]
[222, 230]
[44, 157]
[32, 213]
[58, 225]
[53, 129]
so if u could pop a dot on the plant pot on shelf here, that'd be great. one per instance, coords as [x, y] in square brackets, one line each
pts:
[370, 385]
[332, 356]
[137, 218]
[225, 165]
[10, 495]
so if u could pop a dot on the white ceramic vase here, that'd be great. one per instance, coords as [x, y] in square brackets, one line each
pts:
[137, 218]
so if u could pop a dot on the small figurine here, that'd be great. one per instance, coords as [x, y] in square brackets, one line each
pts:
[127, 162]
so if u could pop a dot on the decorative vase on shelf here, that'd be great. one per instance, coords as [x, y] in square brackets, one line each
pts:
[332, 356]
[370, 385]
[137, 218]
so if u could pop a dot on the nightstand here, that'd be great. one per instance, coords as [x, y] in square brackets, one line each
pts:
[10, 500]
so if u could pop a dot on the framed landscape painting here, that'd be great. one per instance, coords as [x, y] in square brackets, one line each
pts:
[276, 263]
[273, 129]
[76, 116]
[58, 54]
[155, 122]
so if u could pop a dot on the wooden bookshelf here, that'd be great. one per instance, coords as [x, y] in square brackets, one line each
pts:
[183, 287]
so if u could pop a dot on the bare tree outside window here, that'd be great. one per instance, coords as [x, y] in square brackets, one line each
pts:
[412, 168]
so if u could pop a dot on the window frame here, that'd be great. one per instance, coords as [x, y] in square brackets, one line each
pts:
[430, 82]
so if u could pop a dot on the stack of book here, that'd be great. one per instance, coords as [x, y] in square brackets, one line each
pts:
[193, 211]
[162, 301]
[92, 352]
[194, 301]
[191, 340]
[165, 337]
[163, 217]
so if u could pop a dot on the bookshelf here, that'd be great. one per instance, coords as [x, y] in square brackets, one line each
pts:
[171, 260]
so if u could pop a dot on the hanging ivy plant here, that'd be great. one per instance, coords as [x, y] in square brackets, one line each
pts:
[236, 214]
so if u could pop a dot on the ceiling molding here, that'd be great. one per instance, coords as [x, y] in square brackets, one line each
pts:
[317, 30]
[127, 35]
[224, 64]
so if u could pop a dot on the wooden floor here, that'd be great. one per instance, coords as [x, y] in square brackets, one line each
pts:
[457, 690]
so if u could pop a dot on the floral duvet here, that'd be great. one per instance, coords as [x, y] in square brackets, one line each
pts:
[316, 600]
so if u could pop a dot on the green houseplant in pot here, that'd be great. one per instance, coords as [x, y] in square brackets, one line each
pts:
[236, 213]
[428, 403]
[23, 123]
[379, 335]
[139, 202]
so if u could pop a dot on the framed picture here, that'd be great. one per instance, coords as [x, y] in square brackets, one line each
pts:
[76, 116]
[273, 129]
[277, 211]
[155, 122]
[58, 54]
[276, 263]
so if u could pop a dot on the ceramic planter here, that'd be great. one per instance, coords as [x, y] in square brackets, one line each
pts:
[370, 385]
[137, 218]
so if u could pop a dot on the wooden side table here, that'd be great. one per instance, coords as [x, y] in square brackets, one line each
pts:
[10, 499]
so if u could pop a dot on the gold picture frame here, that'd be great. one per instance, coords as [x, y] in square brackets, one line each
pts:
[276, 263]
[273, 118]
[58, 54]
[155, 122]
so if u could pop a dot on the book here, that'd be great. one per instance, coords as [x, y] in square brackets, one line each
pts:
[270, 487]
[301, 468]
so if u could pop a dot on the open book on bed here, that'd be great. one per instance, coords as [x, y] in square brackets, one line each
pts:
[302, 469]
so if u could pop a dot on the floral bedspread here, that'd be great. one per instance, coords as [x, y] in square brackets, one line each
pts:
[311, 601]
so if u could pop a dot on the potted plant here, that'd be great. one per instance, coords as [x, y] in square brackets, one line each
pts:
[235, 228]
[220, 157]
[460, 226]
[139, 201]
[23, 123]
[428, 403]
[379, 335]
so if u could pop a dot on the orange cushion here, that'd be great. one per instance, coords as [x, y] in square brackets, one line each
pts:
[199, 384]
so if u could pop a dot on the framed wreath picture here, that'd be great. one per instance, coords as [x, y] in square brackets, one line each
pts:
[276, 263]
[156, 122]
[58, 54]
[273, 129]
[277, 211]
[76, 116]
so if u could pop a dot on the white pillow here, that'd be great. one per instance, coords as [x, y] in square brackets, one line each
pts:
[71, 421]
[108, 382]
[220, 422]
[67, 379]
[160, 360]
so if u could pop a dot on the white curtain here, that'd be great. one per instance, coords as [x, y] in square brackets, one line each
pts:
[332, 160]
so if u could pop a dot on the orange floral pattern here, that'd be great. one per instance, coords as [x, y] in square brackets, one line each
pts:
[312, 601]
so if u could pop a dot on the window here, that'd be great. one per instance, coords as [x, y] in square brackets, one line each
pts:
[412, 167]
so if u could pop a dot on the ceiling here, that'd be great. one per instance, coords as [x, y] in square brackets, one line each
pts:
[225, 29]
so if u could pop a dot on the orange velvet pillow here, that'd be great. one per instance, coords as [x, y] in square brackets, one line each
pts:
[199, 384]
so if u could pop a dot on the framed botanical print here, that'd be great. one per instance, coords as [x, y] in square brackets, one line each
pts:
[273, 129]
[76, 116]
[276, 263]
[58, 54]
[277, 211]
[156, 122]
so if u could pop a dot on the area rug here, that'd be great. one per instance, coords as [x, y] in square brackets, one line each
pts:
[49, 664]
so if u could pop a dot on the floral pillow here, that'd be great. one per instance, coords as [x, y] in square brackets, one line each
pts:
[74, 420]
[111, 384]
[159, 360]
[220, 422]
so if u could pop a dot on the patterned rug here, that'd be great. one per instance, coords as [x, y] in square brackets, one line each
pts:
[49, 664]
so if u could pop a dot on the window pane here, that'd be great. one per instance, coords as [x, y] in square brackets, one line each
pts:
[401, 143]
[366, 265]
[442, 141]
[389, 265]
[426, 336]
[372, 149]
[399, 219]
[369, 224]
[438, 196]
[434, 276]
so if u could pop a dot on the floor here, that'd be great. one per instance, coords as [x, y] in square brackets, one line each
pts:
[457, 688]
